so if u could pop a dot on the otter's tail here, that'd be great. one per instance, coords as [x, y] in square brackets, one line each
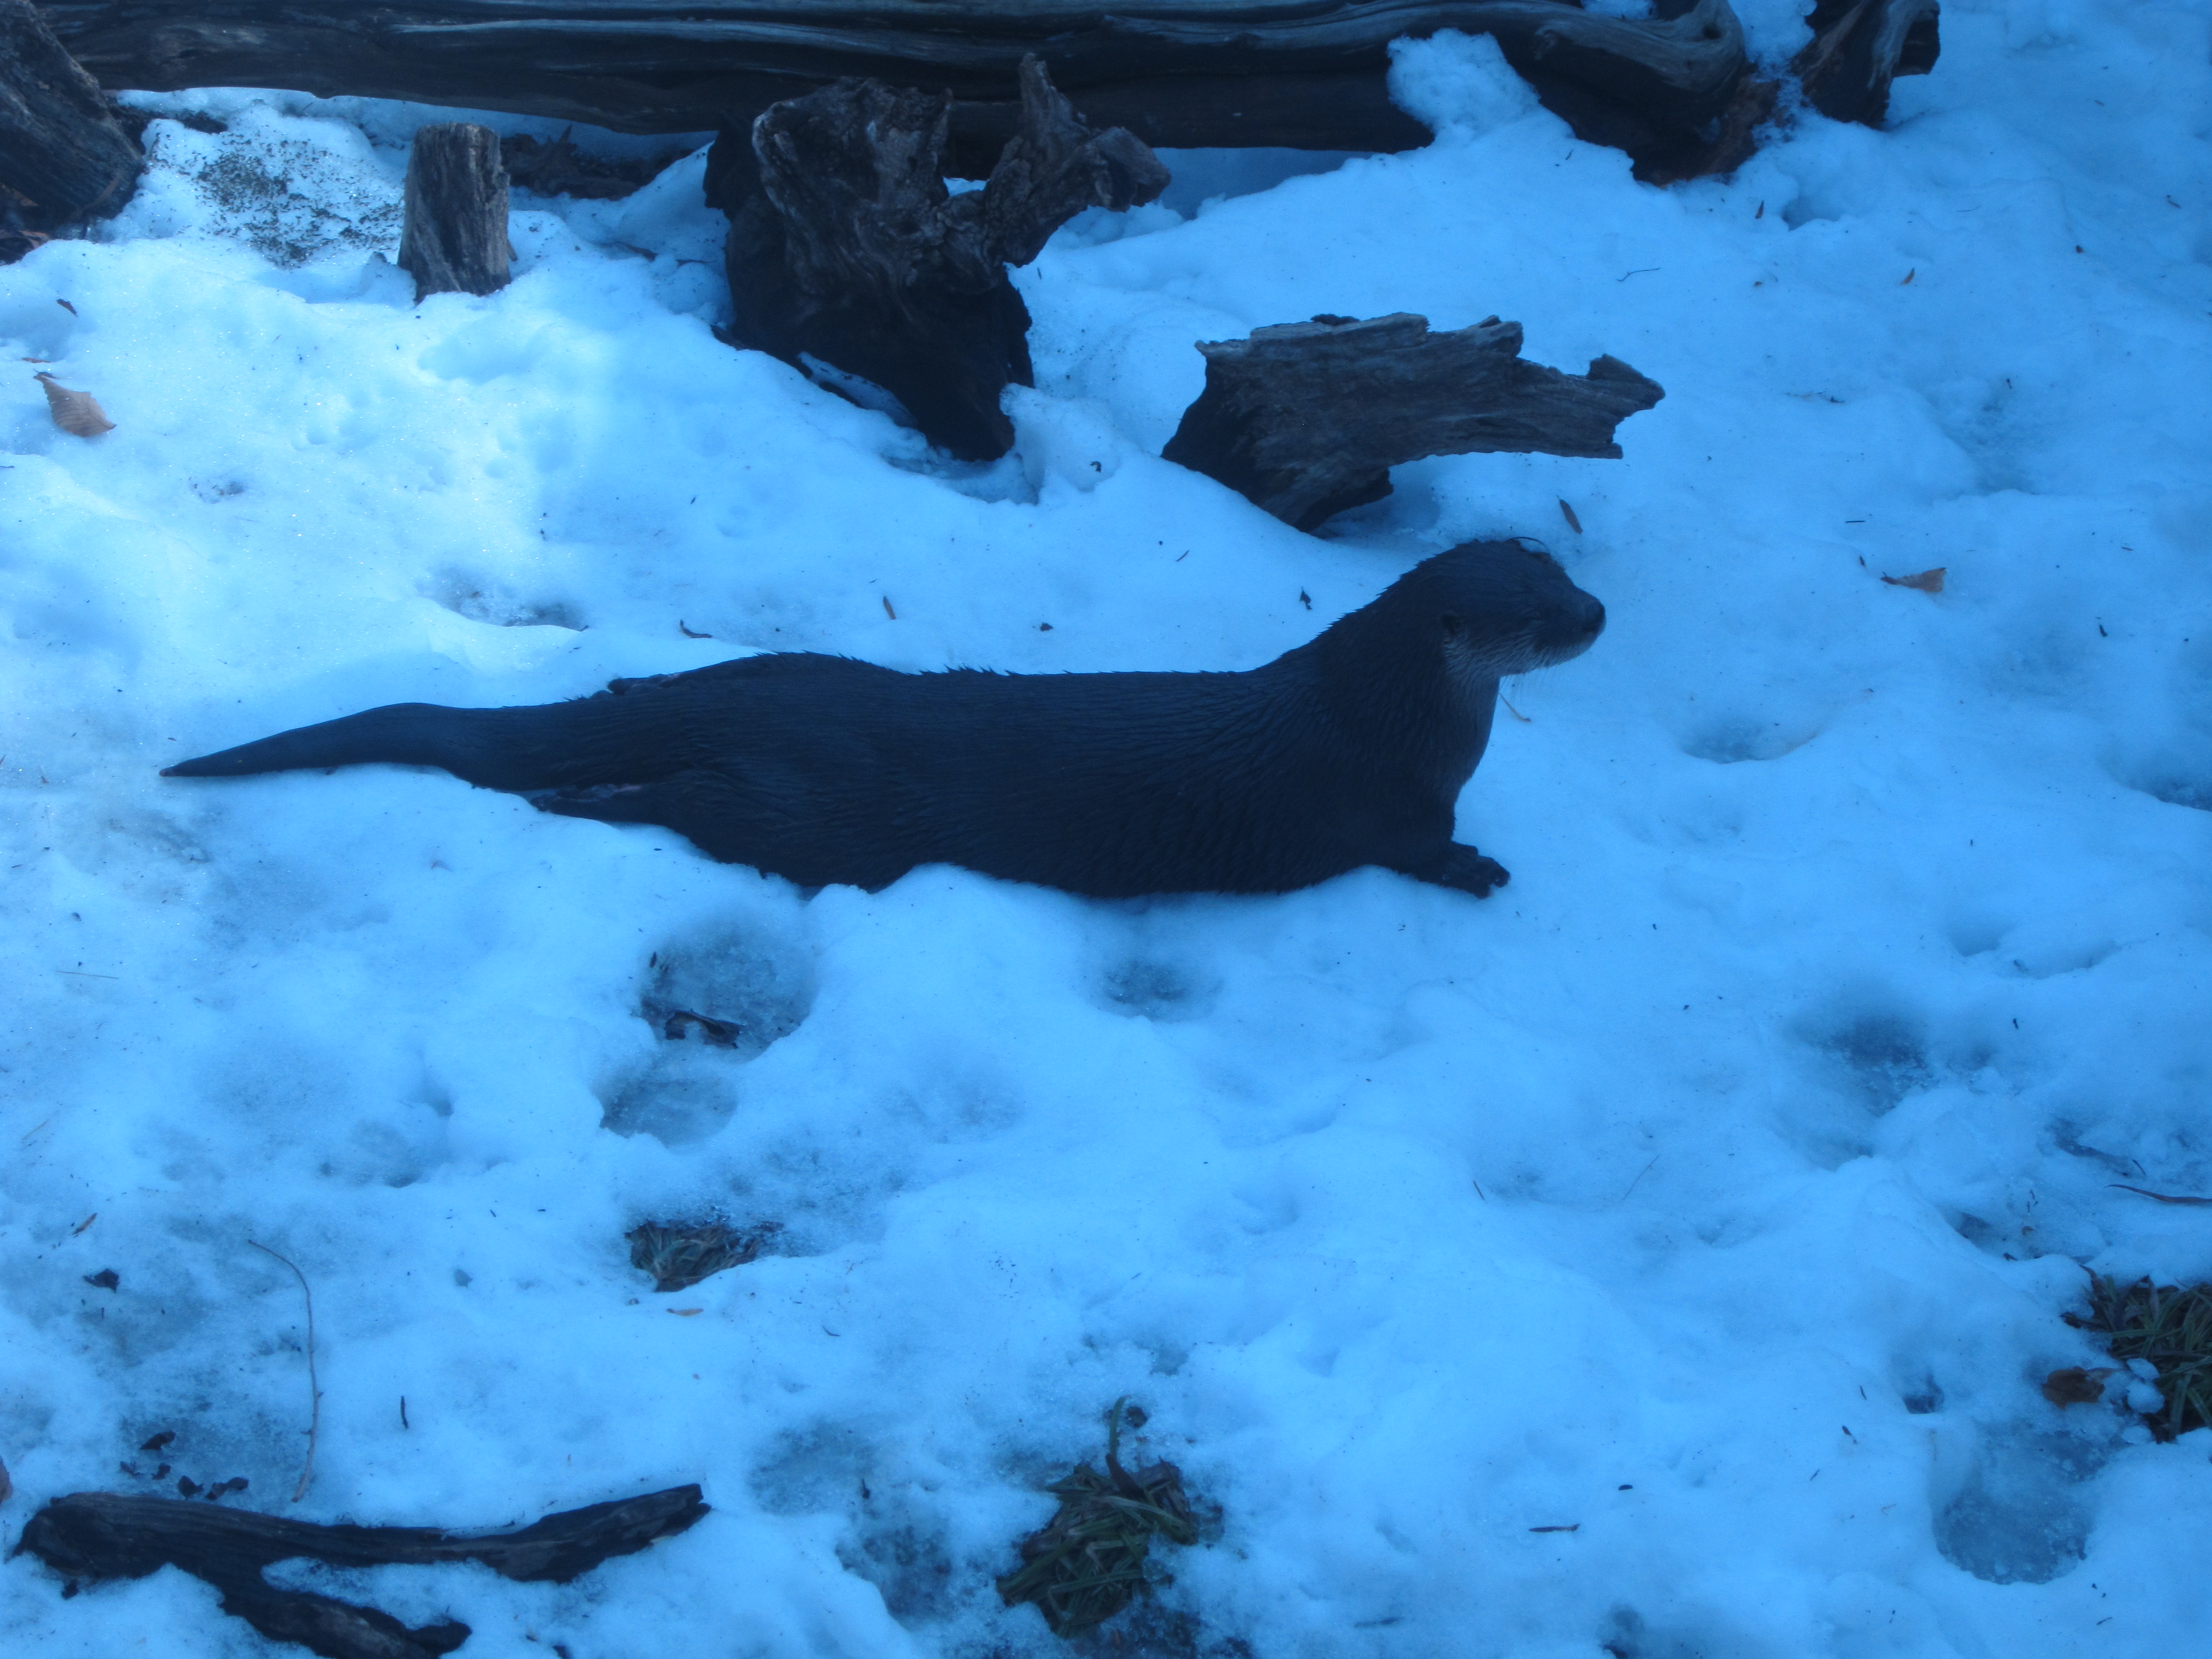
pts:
[520, 750]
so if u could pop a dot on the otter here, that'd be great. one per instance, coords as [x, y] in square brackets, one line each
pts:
[1348, 751]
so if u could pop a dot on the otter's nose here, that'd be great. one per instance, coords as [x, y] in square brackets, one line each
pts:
[1593, 618]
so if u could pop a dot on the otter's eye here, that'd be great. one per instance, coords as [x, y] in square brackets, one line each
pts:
[1451, 624]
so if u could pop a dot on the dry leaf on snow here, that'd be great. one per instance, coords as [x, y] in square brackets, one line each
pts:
[1923, 581]
[75, 411]
[2073, 1386]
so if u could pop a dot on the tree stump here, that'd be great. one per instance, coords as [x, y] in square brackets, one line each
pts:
[92, 1534]
[455, 237]
[851, 251]
[1858, 47]
[65, 159]
[1307, 419]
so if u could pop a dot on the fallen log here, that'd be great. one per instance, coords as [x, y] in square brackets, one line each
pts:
[1306, 74]
[64, 157]
[1307, 419]
[561, 169]
[1858, 47]
[454, 239]
[851, 251]
[95, 1535]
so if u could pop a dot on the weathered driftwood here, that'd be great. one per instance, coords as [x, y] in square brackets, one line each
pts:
[454, 239]
[64, 157]
[1858, 47]
[1307, 419]
[1300, 73]
[92, 1535]
[851, 249]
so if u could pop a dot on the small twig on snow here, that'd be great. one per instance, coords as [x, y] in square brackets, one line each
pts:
[315, 1388]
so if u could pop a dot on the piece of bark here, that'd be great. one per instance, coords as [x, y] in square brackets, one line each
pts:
[1174, 72]
[92, 1535]
[1307, 419]
[1858, 47]
[454, 239]
[852, 251]
[64, 158]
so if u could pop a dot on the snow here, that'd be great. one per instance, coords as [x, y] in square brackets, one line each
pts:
[1715, 1189]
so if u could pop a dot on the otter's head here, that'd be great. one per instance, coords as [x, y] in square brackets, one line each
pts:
[1502, 608]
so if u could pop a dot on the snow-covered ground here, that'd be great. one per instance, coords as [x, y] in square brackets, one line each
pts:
[1715, 1189]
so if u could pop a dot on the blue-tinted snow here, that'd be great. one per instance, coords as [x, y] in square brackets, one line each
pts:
[1715, 1188]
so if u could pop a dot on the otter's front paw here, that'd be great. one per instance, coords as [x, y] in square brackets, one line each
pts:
[1470, 871]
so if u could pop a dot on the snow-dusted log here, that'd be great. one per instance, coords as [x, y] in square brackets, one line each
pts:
[1307, 419]
[1306, 74]
[1858, 47]
[92, 1535]
[64, 157]
[454, 239]
[851, 249]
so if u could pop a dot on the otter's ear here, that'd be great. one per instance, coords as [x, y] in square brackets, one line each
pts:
[1452, 624]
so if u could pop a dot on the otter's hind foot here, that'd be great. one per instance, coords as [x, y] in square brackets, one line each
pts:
[1465, 869]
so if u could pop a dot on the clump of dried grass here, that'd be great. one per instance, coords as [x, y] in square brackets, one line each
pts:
[2170, 1327]
[679, 1254]
[1088, 1562]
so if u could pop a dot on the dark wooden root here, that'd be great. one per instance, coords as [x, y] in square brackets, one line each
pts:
[65, 159]
[455, 236]
[1858, 47]
[850, 249]
[1307, 419]
[94, 1535]
[1299, 73]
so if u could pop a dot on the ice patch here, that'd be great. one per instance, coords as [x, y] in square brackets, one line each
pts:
[2015, 1515]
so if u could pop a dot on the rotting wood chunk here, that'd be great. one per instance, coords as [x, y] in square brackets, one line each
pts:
[851, 249]
[65, 159]
[1858, 47]
[455, 238]
[1307, 419]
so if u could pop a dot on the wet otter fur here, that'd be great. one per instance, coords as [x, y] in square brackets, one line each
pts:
[1349, 750]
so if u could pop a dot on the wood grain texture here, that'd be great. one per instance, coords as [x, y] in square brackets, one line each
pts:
[454, 239]
[64, 157]
[1307, 419]
[1302, 73]
[849, 249]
